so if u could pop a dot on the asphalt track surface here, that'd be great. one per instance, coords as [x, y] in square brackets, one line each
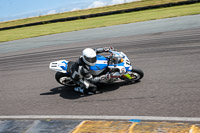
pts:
[146, 27]
[170, 87]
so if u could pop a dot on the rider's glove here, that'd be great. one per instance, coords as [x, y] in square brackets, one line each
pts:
[106, 49]
[112, 48]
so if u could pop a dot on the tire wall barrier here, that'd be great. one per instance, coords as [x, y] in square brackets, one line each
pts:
[102, 14]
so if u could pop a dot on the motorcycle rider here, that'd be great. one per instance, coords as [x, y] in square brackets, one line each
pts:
[80, 73]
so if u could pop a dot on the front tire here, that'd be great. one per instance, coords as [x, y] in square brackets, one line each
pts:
[64, 79]
[137, 74]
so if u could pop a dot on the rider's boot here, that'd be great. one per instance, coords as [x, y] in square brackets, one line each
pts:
[91, 90]
[79, 89]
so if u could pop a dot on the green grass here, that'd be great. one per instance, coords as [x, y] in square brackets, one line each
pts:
[86, 12]
[46, 29]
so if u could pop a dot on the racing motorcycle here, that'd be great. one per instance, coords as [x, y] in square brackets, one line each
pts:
[116, 64]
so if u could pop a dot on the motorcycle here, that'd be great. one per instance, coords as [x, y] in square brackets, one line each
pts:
[116, 64]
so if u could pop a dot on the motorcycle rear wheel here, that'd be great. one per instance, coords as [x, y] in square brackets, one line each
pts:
[64, 79]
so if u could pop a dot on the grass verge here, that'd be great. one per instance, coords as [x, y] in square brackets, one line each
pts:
[140, 3]
[33, 31]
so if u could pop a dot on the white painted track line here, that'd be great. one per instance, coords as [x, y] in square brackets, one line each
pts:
[93, 117]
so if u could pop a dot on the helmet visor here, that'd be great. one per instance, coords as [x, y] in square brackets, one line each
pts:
[90, 60]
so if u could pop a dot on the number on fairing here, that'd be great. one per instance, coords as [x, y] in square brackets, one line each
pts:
[128, 62]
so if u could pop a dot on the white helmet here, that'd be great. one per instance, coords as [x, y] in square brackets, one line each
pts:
[89, 56]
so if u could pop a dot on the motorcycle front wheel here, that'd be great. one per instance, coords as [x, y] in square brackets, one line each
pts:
[64, 79]
[137, 74]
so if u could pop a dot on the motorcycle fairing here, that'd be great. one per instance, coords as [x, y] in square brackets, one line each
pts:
[99, 67]
[124, 66]
[121, 67]
[60, 66]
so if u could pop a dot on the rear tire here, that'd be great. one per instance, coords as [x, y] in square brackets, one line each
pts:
[64, 79]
